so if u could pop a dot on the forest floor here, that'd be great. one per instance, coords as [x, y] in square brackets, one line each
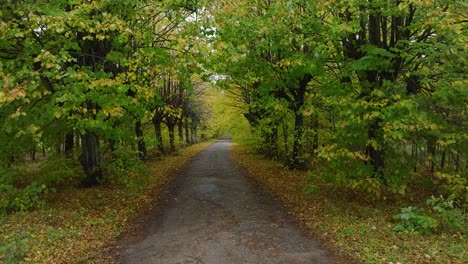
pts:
[224, 205]
[215, 215]
[354, 225]
[81, 225]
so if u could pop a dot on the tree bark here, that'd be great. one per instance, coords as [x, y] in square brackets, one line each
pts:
[171, 123]
[296, 156]
[171, 127]
[193, 135]
[140, 141]
[193, 131]
[90, 159]
[187, 132]
[297, 160]
[270, 142]
[180, 131]
[376, 153]
[442, 160]
[158, 134]
[33, 154]
[285, 140]
[43, 150]
[69, 143]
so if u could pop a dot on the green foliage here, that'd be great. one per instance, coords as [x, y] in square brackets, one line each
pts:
[93, 68]
[451, 219]
[385, 100]
[443, 217]
[454, 185]
[58, 170]
[16, 248]
[14, 199]
[412, 219]
[125, 168]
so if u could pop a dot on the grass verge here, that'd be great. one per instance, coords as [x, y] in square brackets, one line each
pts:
[79, 225]
[356, 227]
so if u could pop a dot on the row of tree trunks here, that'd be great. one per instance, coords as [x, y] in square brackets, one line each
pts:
[190, 130]
[90, 157]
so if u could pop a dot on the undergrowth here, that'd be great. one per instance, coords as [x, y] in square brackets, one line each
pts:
[80, 225]
[432, 231]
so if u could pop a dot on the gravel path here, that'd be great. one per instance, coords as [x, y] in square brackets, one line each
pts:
[215, 216]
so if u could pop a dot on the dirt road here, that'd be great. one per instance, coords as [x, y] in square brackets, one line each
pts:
[215, 216]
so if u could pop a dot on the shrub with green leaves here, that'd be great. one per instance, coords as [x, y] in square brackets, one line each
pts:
[443, 217]
[454, 185]
[124, 168]
[451, 219]
[57, 171]
[15, 248]
[413, 219]
[15, 199]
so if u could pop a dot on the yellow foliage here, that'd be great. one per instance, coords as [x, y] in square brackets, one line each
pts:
[114, 112]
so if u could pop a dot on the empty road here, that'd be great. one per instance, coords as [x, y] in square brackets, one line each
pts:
[215, 216]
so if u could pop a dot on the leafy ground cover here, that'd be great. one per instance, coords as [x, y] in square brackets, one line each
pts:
[360, 228]
[78, 225]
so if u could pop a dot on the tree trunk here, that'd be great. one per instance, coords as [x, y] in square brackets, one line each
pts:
[140, 141]
[296, 156]
[203, 135]
[442, 160]
[285, 141]
[90, 159]
[158, 133]
[376, 153]
[171, 127]
[180, 131]
[270, 142]
[193, 131]
[69, 143]
[187, 133]
[297, 160]
[43, 150]
[33, 154]
[192, 135]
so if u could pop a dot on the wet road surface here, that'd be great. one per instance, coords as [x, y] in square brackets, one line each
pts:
[215, 216]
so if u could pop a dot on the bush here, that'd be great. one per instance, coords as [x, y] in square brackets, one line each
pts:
[13, 199]
[455, 186]
[451, 219]
[124, 168]
[412, 219]
[444, 216]
[15, 248]
[57, 171]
